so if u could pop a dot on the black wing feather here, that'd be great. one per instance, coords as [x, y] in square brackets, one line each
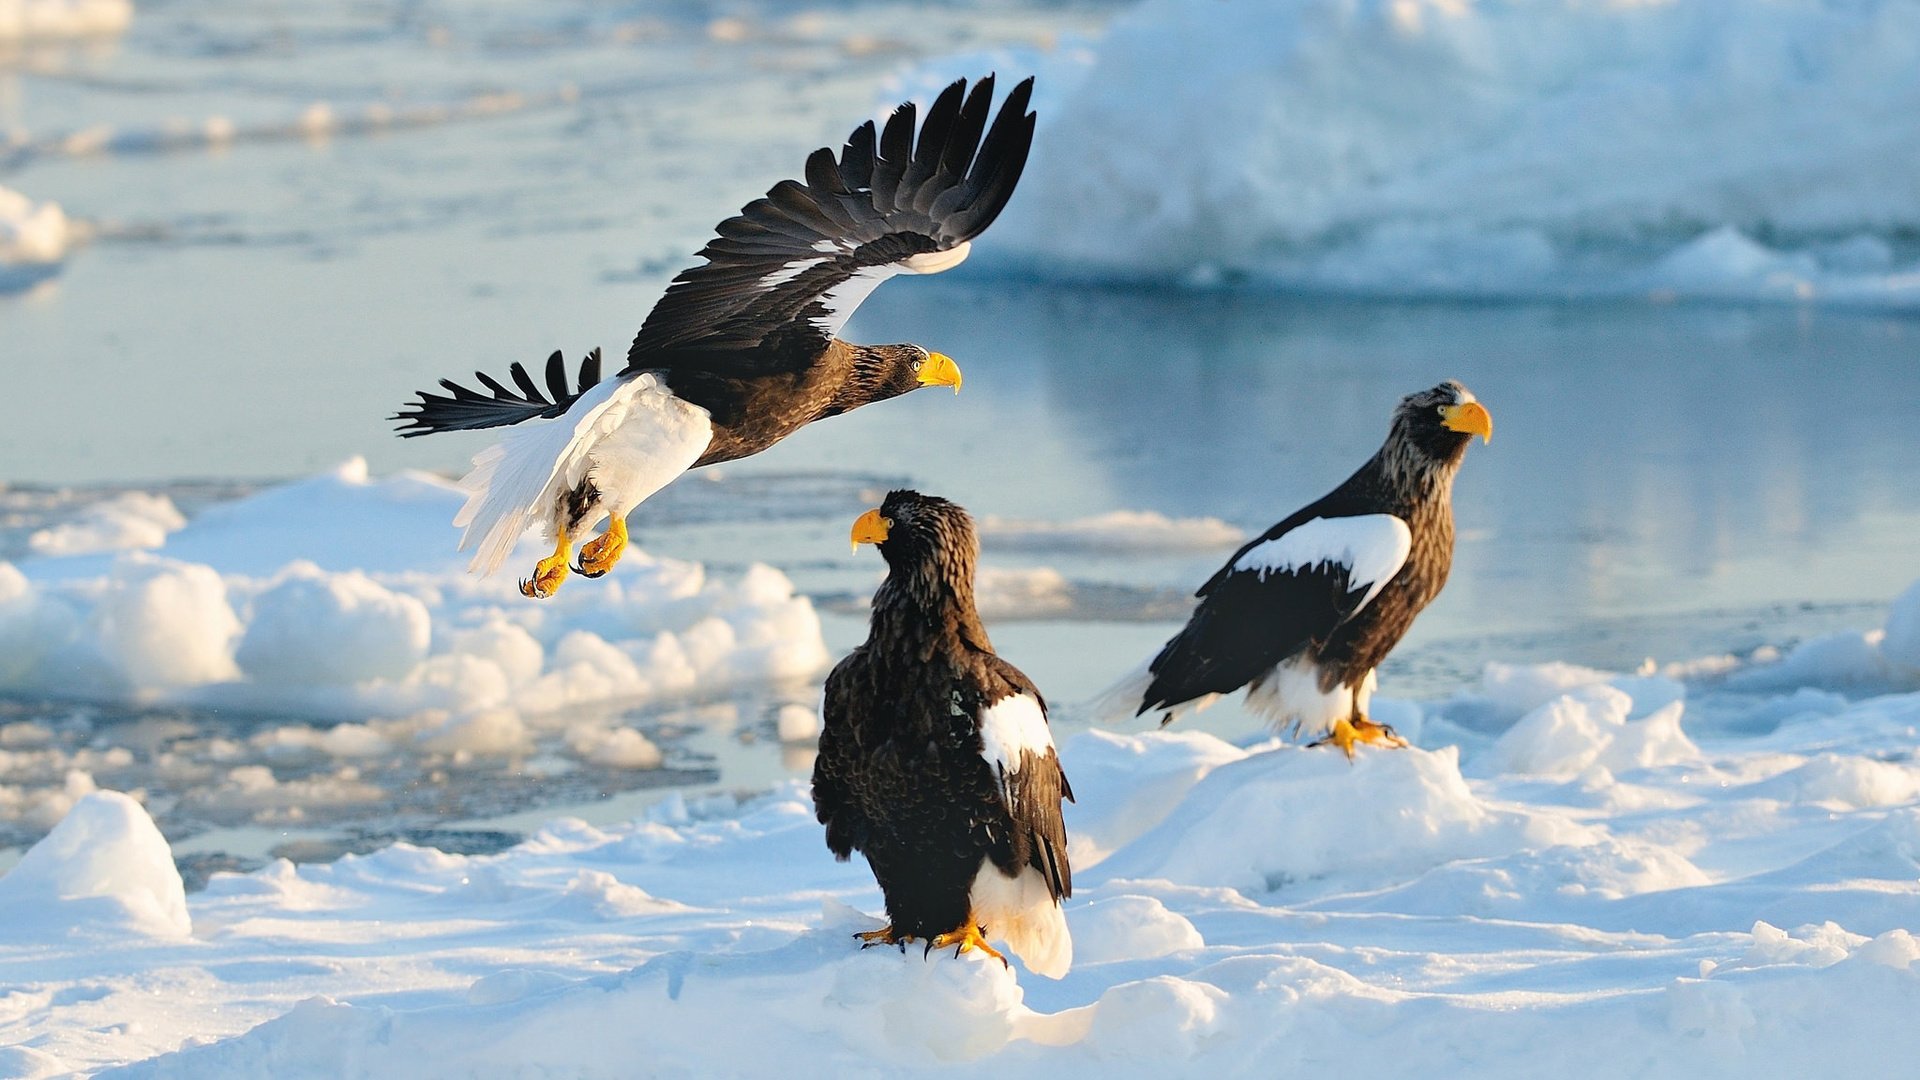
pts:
[463, 409]
[754, 305]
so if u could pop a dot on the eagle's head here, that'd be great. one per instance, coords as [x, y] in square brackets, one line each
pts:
[1438, 424]
[897, 369]
[926, 540]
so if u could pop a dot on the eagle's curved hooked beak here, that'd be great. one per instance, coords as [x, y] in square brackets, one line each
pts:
[1468, 417]
[940, 370]
[870, 528]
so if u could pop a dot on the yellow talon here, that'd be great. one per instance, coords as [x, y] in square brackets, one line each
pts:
[886, 935]
[968, 937]
[1346, 732]
[549, 572]
[599, 554]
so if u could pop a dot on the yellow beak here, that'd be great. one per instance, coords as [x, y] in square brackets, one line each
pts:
[1470, 417]
[871, 528]
[940, 370]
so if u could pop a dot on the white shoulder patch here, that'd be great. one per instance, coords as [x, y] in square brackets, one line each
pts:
[1008, 728]
[1373, 548]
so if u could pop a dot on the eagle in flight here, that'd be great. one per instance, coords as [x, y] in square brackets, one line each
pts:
[741, 351]
[936, 761]
[1302, 614]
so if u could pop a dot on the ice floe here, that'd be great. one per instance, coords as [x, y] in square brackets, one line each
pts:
[1704, 148]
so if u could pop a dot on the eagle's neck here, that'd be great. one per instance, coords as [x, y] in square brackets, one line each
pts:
[1415, 480]
[925, 609]
[869, 377]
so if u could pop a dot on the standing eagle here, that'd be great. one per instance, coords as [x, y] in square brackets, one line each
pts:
[1302, 615]
[741, 351]
[935, 758]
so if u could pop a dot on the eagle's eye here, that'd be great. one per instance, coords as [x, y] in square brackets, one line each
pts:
[917, 363]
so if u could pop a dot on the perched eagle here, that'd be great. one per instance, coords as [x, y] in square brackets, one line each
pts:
[935, 758]
[1303, 614]
[741, 351]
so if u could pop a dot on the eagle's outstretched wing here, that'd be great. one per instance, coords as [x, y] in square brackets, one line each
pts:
[783, 276]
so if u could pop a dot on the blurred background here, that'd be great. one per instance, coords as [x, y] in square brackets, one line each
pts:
[1675, 249]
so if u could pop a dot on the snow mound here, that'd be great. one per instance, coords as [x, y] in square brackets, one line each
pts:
[129, 520]
[1130, 928]
[1118, 531]
[1589, 727]
[1291, 815]
[315, 627]
[1715, 148]
[1853, 659]
[105, 866]
[1124, 785]
[29, 20]
[1900, 641]
[34, 237]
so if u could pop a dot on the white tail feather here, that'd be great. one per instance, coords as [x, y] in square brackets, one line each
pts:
[516, 483]
[1022, 912]
[1120, 702]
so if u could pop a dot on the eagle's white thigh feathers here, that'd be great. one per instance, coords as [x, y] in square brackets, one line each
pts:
[1290, 697]
[1021, 911]
[633, 435]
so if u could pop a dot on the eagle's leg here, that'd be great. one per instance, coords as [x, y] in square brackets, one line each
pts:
[1358, 729]
[886, 935]
[598, 555]
[549, 572]
[967, 937]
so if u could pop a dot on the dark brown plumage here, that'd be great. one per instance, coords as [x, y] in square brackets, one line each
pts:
[1302, 614]
[935, 759]
[741, 350]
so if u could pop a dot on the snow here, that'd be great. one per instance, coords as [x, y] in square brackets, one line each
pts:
[1717, 149]
[104, 868]
[48, 19]
[1568, 880]
[34, 237]
[342, 598]
[127, 521]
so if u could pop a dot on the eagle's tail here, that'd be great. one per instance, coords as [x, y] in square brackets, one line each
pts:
[1122, 701]
[465, 409]
[1023, 912]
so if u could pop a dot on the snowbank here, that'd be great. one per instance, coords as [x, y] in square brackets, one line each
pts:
[29, 20]
[1710, 148]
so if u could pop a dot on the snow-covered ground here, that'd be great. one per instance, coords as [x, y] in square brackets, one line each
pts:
[1574, 873]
